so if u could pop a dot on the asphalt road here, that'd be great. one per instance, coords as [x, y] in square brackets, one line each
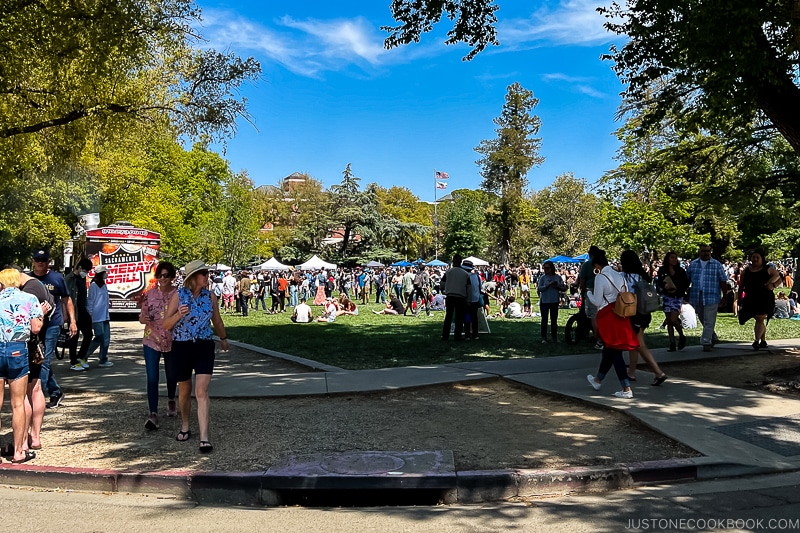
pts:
[768, 503]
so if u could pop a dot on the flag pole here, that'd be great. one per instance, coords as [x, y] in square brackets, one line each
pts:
[435, 219]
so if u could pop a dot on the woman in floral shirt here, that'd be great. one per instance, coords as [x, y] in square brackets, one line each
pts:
[158, 341]
[20, 315]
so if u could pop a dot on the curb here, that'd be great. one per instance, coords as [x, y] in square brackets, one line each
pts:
[466, 487]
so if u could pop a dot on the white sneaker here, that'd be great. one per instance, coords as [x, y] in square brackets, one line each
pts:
[105, 364]
[595, 385]
[77, 367]
[624, 394]
[599, 346]
[83, 363]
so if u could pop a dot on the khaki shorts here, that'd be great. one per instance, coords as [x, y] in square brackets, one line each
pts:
[589, 308]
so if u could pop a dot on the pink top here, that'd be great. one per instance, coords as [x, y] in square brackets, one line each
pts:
[154, 306]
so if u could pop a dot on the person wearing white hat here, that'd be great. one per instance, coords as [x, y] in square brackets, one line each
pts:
[97, 306]
[190, 315]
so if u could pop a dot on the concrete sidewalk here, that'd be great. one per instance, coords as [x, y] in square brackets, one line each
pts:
[738, 432]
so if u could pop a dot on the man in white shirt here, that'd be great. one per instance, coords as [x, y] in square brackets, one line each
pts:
[228, 290]
[302, 312]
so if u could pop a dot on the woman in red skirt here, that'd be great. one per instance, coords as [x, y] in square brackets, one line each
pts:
[615, 331]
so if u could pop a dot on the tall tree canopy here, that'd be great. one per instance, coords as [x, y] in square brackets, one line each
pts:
[507, 159]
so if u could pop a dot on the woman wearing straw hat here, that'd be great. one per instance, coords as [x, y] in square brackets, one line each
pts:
[190, 314]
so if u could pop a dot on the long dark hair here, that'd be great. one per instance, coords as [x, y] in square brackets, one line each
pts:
[631, 264]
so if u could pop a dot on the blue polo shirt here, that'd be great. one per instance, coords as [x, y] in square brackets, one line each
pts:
[58, 288]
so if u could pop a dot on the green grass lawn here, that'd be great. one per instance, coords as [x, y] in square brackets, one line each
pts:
[383, 341]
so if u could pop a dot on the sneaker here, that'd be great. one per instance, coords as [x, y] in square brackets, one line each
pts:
[84, 363]
[152, 422]
[624, 394]
[55, 401]
[77, 367]
[762, 345]
[599, 346]
[172, 408]
[595, 385]
[105, 364]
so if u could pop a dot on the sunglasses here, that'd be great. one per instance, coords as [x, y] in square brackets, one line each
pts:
[203, 272]
[164, 276]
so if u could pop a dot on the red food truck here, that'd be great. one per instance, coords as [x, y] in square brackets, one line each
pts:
[130, 254]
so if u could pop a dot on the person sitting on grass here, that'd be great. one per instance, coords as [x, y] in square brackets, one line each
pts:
[347, 307]
[513, 308]
[393, 307]
[329, 315]
[302, 312]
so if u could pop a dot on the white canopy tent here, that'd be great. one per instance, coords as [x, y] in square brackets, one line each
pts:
[315, 263]
[273, 264]
[476, 261]
[219, 266]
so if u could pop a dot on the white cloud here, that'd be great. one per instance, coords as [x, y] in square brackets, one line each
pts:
[572, 22]
[308, 47]
[577, 84]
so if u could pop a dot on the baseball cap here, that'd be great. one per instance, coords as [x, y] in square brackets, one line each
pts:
[41, 255]
[100, 269]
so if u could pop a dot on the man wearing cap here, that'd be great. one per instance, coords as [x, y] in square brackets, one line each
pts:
[97, 307]
[61, 314]
[474, 298]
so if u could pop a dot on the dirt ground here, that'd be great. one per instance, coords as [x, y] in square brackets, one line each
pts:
[488, 425]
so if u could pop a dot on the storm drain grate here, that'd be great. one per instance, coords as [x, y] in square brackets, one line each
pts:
[779, 435]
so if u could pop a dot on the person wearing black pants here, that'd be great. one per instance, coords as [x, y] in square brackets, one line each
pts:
[76, 283]
[549, 285]
[455, 289]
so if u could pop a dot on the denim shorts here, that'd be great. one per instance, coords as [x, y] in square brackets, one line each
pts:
[13, 360]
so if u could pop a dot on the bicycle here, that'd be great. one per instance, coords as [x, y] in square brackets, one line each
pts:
[578, 327]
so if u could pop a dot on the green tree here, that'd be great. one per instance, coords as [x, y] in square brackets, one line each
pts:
[414, 235]
[507, 160]
[568, 217]
[464, 224]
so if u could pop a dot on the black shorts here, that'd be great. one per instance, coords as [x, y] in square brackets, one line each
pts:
[639, 322]
[197, 356]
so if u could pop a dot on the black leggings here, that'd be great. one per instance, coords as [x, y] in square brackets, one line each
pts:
[614, 357]
[552, 311]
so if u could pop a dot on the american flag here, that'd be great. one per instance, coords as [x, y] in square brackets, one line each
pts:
[442, 176]
[441, 185]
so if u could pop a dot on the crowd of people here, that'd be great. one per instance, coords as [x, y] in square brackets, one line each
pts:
[183, 312]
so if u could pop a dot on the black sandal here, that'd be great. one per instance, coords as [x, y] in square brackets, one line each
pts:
[183, 436]
[658, 381]
[205, 446]
[29, 455]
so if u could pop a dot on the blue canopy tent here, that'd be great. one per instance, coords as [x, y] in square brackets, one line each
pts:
[563, 259]
[582, 257]
[403, 263]
[436, 263]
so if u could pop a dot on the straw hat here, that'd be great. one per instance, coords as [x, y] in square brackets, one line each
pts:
[192, 267]
[99, 269]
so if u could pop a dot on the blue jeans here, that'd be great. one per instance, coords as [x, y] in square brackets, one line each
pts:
[152, 358]
[292, 296]
[260, 298]
[50, 387]
[102, 339]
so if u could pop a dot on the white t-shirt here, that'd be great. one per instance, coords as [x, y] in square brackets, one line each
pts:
[303, 312]
[514, 310]
[228, 285]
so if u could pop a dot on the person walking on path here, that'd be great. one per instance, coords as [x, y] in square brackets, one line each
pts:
[586, 278]
[634, 271]
[615, 331]
[97, 306]
[672, 283]
[549, 286]
[157, 342]
[190, 315]
[455, 290]
[76, 284]
[708, 281]
[63, 313]
[474, 299]
[757, 296]
[20, 316]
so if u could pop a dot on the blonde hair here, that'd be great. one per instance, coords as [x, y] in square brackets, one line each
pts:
[9, 277]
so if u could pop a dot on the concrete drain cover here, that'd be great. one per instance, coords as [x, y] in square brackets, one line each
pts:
[780, 435]
[362, 464]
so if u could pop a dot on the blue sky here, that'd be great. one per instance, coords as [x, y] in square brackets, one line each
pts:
[330, 94]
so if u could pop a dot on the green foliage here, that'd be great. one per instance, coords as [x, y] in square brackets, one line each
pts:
[473, 22]
[569, 216]
[507, 160]
[464, 224]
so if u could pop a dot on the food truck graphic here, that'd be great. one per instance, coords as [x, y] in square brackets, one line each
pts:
[130, 254]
